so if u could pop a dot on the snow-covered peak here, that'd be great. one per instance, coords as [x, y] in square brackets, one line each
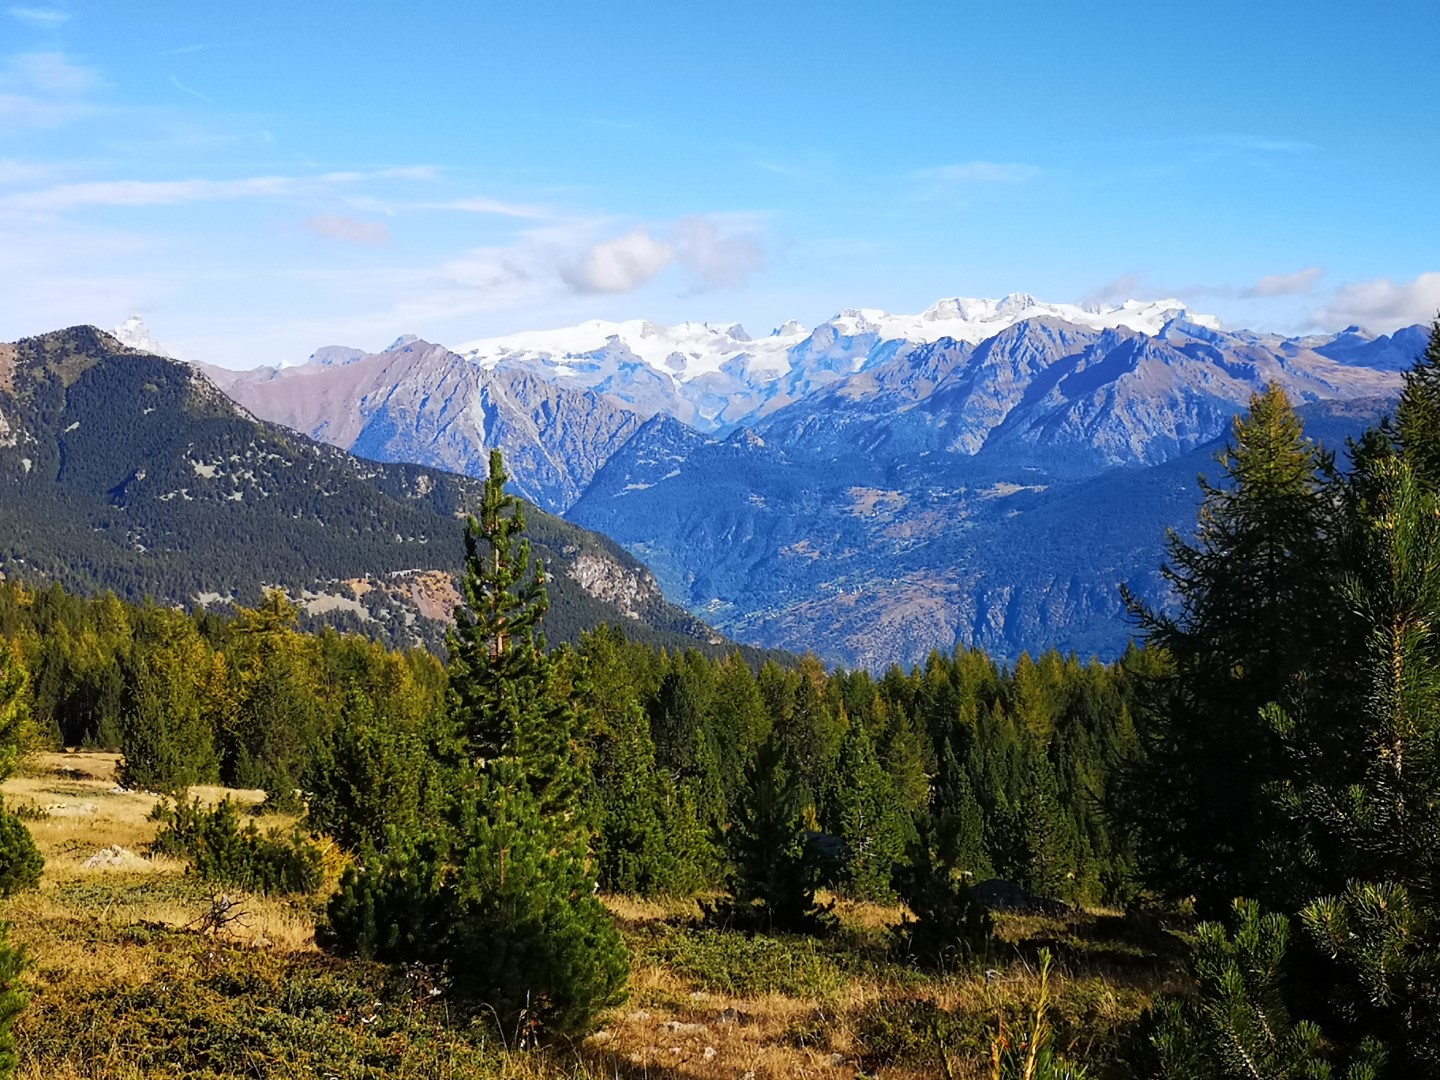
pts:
[684, 352]
[693, 349]
[134, 333]
[973, 319]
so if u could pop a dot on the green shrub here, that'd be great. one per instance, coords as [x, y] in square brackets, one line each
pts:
[220, 850]
[13, 961]
[20, 860]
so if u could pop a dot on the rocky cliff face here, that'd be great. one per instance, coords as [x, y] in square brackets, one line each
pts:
[421, 403]
[1055, 395]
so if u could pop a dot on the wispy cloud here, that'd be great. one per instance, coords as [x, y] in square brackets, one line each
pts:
[1298, 283]
[350, 230]
[1382, 304]
[175, 82]
[64, 197]
[1134, 285]
[481, 204]
[1125, 287]
[46, 18]
[981, 172]
[717, 257]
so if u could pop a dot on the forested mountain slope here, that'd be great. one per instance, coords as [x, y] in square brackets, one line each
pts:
[132, 472]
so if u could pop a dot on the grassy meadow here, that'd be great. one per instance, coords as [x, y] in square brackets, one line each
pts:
[127, 982]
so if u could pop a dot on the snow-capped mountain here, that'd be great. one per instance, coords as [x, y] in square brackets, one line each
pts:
[134, 333]
[715, 376]
[984, 472]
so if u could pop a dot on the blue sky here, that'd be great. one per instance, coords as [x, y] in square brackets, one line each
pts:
[260, 179]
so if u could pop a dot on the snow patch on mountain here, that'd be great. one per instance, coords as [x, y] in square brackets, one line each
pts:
[715, 375]
[134, 333]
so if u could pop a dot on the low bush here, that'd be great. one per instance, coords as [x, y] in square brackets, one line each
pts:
[20, 860]
[219, 849]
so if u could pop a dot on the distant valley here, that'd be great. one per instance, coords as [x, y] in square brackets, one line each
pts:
[986, 472]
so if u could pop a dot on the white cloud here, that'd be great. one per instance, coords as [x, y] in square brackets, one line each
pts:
[717, 258]
[982, 172]
[46, 18]
[1382, 304]
[48, 73]
[1301, 281]
[619, 265]
[350, 230]
[21, 172]
[43, 89]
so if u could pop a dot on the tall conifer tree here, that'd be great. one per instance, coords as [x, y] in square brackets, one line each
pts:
[505, 893]
[1255, 608]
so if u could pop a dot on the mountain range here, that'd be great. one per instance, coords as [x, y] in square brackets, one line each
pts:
[125, 470]
[985, 472]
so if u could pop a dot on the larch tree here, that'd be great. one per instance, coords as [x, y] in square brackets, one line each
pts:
[1255, 606]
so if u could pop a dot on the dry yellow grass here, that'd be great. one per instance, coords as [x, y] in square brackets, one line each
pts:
[87, 925]
[85, 813]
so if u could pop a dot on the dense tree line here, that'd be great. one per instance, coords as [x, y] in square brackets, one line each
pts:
[682, 750]
[1290, 780]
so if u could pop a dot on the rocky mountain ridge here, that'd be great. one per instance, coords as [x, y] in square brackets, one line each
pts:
[879, 481]
[128, 471]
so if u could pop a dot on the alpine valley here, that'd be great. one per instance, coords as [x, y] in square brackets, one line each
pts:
[984, 473]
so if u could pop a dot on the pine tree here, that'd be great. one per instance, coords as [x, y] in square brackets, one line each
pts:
[1041, 850]
[14, 959]
[1417, 417]
[777, 871]
[508, 894]
[632, 854]
[1255, 608]
[20, 860]
[687, 749]
[276, 719]
[869, 820]
[526, 934]
[504, 702]
[1240, 1025]
[16, 729]
[374, 776]
[167, 735]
